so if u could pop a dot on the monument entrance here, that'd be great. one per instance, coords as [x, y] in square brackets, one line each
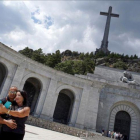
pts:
[63, 107]
[32, 87]
[2, 74]
[122, 124]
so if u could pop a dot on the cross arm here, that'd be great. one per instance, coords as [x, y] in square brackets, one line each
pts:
[103, 13]
[114, 15]
[106, 14]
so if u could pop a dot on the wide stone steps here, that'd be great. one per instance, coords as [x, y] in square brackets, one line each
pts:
[97, 137]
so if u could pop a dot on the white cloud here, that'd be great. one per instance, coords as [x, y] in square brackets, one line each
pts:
[52, 25]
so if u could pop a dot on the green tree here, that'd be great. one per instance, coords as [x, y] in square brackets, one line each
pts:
[122, 56]
[39, 56]
[27, 52]
[135, 56]
[116, 55]
[54, 59]
[120, 65]
[111, 55]
[75, 53]
[79, 67]
[131, 57]
[100, 54]
[87, 55]
[81, 56]
[92, 55]
[89, 66]
[65, 67]
[126, 56]
[76, 67]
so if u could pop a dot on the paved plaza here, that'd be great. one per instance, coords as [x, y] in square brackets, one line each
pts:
[36, 133]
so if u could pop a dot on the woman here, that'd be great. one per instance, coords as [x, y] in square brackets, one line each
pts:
[19, 114]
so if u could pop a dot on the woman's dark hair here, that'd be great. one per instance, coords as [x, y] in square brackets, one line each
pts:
[24, 95]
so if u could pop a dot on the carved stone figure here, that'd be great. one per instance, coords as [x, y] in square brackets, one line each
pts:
[128, 78]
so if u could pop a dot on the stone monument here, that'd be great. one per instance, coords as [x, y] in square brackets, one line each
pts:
[104, 44]
[64, 103]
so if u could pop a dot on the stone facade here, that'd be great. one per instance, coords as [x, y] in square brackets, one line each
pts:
[94, 99]
[116, 96]
[20, 69]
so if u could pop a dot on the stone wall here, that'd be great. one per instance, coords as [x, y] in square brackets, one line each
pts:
[59, 127]
[20, 70]
[120, 99]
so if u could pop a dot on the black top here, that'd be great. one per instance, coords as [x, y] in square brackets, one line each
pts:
[19, 121]
[20, 126]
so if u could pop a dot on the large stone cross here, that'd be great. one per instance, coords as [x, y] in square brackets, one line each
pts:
[104, 44]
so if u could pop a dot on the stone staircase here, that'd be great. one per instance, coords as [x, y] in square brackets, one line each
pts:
[98, 137]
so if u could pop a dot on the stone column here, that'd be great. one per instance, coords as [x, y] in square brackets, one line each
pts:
[8, 81]
[6, 87]
[74, 113]
[42, 98]
[83, 107]
[92, 109]
[49, 105]
[19, 75]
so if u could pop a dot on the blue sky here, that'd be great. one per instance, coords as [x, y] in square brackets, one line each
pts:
[73, 25]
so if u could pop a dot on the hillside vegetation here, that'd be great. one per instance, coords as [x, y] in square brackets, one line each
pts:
[73, 62]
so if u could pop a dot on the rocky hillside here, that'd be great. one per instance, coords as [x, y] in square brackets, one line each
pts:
[73, 62]
[130, 63]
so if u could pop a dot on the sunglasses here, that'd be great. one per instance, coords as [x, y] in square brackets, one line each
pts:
[14, 92]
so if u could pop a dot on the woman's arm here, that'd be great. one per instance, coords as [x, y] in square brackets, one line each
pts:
[21, 113]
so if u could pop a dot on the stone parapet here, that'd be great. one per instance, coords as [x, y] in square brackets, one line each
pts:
[39, 122]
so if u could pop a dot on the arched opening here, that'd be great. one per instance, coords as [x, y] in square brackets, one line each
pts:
[122, 124]
[3, 73]
[32, 87]
[63, 108]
